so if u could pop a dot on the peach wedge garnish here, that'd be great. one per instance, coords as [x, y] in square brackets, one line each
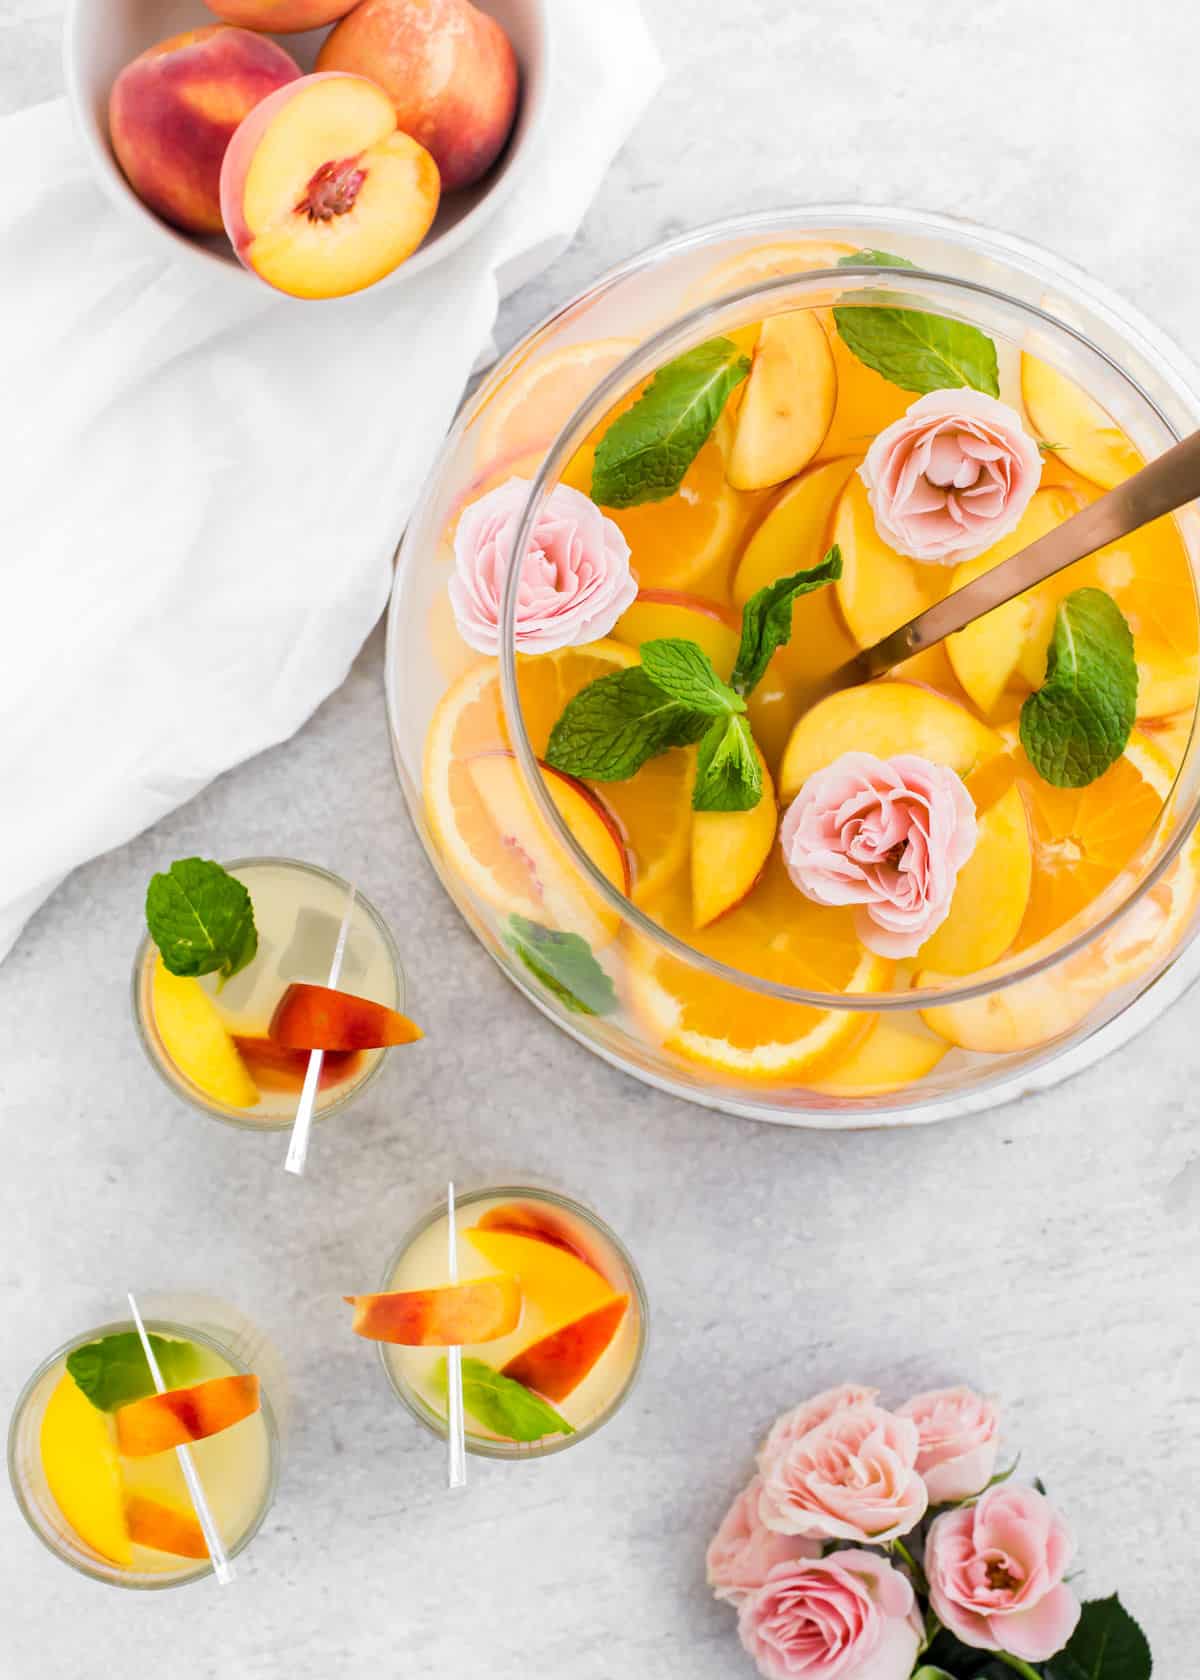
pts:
[158, 1422]
[456, 1316]
[557, 1364]
[165, 1528]
[322, 1018]
[320, 193]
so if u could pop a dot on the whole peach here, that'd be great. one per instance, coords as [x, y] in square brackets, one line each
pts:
[448, 68]
[174, 110]
[281, 17]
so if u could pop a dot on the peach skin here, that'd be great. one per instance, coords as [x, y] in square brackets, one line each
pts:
[281, 17]
[448, 68]
[165, 1527]
[456, 1316]
[321, 193]
[173, 111]
[557, 1364]
[320, 1018]
[161, 1421]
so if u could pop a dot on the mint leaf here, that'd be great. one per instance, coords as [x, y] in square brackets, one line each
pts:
[645, 453]
[685, 672]
[611, 727]
[1107, 1645]
[767, 618]
[728, 774]
[502, 1404]
[911, 348]
[201, 919]
[113, 1371]
[1078, 722]
[564, 964]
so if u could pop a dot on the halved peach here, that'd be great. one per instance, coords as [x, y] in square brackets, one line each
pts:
[159, 1422]
[885, 718]
[321, 1018]
[557, 1364]
[991, 894]
[788, 402]
[668, 612]
[729, 849]
[163, 1527]
[275, 1068]
[794, 533]
[321, 194]
[879, 590]
[1064, 415]
[459, 1315]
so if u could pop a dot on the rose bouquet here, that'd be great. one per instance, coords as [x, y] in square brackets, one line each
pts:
[881, 1545]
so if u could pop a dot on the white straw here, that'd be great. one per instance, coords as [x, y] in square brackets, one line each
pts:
[297, 1154]
[212, 1539]
[457, 1435]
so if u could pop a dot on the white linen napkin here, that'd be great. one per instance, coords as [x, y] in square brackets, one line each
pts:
[203, 485]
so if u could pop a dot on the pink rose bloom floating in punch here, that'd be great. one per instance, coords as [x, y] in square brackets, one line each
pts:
[575, 578]
[960, 1435]
[951, 477]
[792, 1425]
[850, 1616]
[853, 1477]
[743, 1552]
[886, 834]
[996, 1574]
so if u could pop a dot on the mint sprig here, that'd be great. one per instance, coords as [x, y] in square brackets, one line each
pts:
[910, 347]
[113, 1371]
[767, 618]
[201, 919]
[1078, 723]
[728, 774]
[611, 727]
[565, 965]
[502, 1404]
[685, 672]
[645, 453]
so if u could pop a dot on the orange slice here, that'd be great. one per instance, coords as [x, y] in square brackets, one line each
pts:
[779, 935]
[526, 405]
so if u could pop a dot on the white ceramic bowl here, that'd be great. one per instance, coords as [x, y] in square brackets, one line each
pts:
[101, 36]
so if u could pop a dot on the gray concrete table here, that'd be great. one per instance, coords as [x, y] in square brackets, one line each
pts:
[1046, 1252]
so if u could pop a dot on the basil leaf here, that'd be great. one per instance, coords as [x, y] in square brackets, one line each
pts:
[502, 1404]
[1079, 721]
[565, 965]
[767, 618]
[910, 347]
[201, 919]
[113, 1371]
[728, 773]
[611, 727]
[685, 672]
[645, 453]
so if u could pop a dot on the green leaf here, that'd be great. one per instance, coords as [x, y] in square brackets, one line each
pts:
[1078, 722]
[685, 672]
[1107, 1645]
[728, 773]
[564, 964]
[928, 1673]
[502, 1404]
[645, 453]
[611, 727]
[911, 348]
[113, 1371]
[767, 618]
[201, 919]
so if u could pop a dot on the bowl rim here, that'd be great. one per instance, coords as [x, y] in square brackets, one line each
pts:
[223, 268]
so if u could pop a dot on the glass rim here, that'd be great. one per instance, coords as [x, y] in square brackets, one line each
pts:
[112, 1574]
[186, 1091]
[649, 354]
[514, 1451]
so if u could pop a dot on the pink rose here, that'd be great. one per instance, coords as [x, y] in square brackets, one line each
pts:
[743, 1552]
[960, 1435]
[792, 1425]
[888, 834]
[951, 477]
[575, 580]
[853, 1477]
[996, 1573]
[850, 1616]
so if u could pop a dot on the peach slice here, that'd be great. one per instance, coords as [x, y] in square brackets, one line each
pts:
[525, 1221]
[1087, 438]
[668, 612]
[788, 402]
[795, 532]
[879, 589]
[163, 1527]
[320, 1018]
[281, 17]
[459, 1315]
[885, 718]
[1167, 678]
[991, 895]
[729, 849]
[161, 1421]
[80, 1464]
[557, 1364]
[275, 1068]
[321, 194]
[897, 1052]
[556, 1285]
[195, 1038]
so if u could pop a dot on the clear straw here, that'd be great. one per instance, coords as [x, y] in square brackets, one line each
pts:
[212, 1539]
[297, 1155]
[457, 1436]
